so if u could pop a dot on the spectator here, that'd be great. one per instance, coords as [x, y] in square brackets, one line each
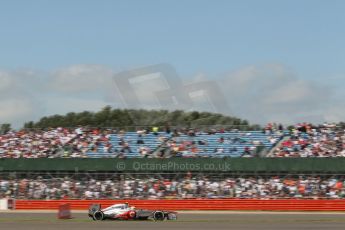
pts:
[275, 187]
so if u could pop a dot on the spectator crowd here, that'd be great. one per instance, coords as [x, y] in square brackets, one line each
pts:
[306, 187]
[304, 140]
[83, 142]
[59, 142]
[307, 140]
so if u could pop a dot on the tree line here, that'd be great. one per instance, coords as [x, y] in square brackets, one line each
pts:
[109, 117]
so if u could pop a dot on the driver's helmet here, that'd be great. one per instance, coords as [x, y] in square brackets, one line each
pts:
[132, 208]
[126, 205]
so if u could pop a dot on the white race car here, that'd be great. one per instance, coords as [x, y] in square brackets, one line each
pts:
[126, 212]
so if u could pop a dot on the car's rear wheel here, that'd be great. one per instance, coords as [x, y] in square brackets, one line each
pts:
[99, 215]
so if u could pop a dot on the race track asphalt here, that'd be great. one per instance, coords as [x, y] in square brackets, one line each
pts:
[193, 221]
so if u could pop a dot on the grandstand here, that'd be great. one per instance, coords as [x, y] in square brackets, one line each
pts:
[313, 141]
[83, 142]
[224, 144]
[132, 144]
[163, 162]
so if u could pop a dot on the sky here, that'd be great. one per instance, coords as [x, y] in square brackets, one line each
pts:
[272, 61]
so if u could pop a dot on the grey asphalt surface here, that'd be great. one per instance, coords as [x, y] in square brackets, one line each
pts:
[196, 221]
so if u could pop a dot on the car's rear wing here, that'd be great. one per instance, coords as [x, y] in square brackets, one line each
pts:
[94, 208]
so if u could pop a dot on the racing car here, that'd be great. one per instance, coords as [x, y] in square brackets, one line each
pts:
[126, 212]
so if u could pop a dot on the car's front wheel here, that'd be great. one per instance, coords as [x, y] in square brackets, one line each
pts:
[158, 215]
